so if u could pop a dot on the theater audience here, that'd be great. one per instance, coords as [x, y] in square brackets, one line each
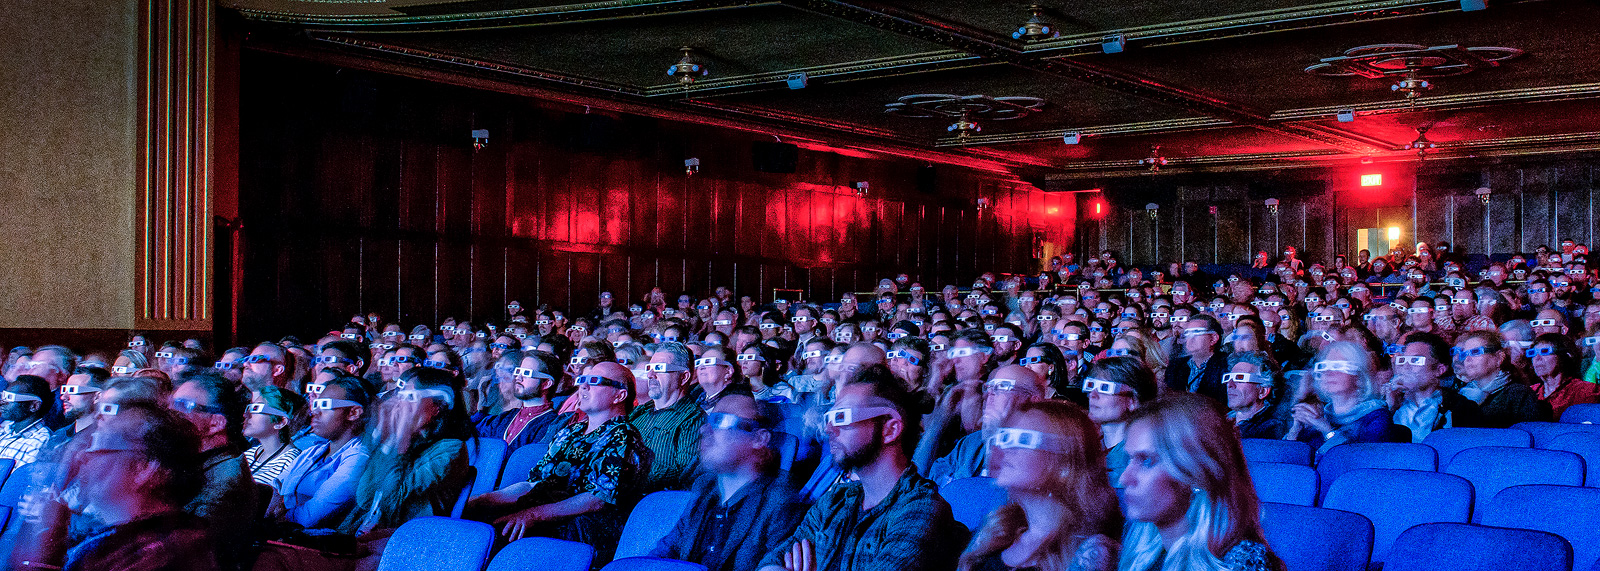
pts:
[1554, 368]
[717, 376]
[888, 517]
[1200, 371]
[743, 506]
[227, 498]
[594, 469]
[1189, 499]
[1060, 514]
[317, 490]
[670, 422]
[77, 404]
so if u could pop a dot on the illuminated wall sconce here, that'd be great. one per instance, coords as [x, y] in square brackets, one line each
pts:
[1272, 206]
[861, 188]
[983, 204]
[1152, 209]
[1483, 195]
[691, 166]
[480, 139]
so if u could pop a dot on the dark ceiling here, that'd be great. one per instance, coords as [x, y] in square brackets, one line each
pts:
[1217, 85]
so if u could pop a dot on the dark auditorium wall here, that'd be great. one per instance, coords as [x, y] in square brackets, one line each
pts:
[1534, 201]
[361, 192]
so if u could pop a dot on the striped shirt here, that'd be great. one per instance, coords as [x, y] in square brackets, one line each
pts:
[265, 468]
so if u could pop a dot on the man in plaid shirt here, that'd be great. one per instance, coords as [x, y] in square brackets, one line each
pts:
[23, 406]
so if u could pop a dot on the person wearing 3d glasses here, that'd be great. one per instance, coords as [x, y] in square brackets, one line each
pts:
[1252, 383]
[77, 405]
[1059, 513]
[23, 407]
[594, 468]
[717, 376]
[744, 506]
[1117, 386]
[888, 518]
[1200, 371]
[1553, 364]
[530, 417]
[670, 422]
[1008, 388]
[1417, 393]
[1480, 363]
[1353, 412]
[317, 490]
[272, 420]
[227, 500]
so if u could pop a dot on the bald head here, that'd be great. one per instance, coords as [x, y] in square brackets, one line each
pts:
[1024, 379]
[612, 370]
[862, 354]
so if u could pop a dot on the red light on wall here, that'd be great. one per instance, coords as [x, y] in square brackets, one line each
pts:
[1372, 180]
[1097, 208]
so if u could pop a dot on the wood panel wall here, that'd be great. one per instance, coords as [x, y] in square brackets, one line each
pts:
[1534, 201]
[362, 192]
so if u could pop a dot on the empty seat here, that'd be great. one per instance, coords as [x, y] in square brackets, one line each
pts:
[1447, 442]
[487, 455]
[1282, 451]
[1586, 413]
[1387, 455]
[1317, 539]
[1585, 445]
[1563, 510]
[438, 543]
[521, 462]
[545, 554]
[1466, 547]
[972, 499]
[1544, 432]
[17, 484]
[1395, 500]
[650, 521]
[1284, 483]
[1494, 468]
[651, 564]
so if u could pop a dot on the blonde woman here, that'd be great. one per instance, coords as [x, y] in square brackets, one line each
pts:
[1138, 344]
[1061, 514]
[1190, 501]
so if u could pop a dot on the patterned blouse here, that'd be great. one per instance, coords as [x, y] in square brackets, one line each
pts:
[607, 463]
[265, 469]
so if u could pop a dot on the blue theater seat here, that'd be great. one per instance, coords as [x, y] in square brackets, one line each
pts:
[1466, 547]
[544, 554]
[1494, 468]
[651, 520]
[438, 544]
[1395, 500]
[1317, 539]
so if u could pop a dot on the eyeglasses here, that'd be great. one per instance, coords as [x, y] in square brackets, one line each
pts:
[1416, 310]
[664, 368]
[262, 408]
[78, 390]
[728, 421]
[1118, 352]
[330, 404]
[849, 416]
[1458, 352]
[1239, 378]
[709, 362]
[1102, 386]
[531, 373]
[331, 360]
[1004, 385]
[1037, 360]
[959, 352]
[810, 354]
[597, 380]
[404, 359]
[1542, 323]
[432, 364]
[1197, 331]
[186, 405]
[159, 355]
[1540, 351]
[136, 343]
[1411, 360]
[833, 359]
[416, 395]
[1345, 367]
[1013, 438]
[417, 337]
[907, 355]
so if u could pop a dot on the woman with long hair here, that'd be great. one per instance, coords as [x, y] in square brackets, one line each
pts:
[1061, 514]
[1046, 360]
[1188, 492]
[272, 419]
[1354, 412]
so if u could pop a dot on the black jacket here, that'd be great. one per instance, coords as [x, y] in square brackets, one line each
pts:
[1210, 380]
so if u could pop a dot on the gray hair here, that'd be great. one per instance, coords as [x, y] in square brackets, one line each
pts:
[1358, 356]
[1517, 329]
[1262, 361]
[681, 356]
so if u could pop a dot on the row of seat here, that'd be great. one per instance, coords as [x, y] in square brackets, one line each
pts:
[448, 544]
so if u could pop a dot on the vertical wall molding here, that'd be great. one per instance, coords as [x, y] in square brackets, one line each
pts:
[173, 230]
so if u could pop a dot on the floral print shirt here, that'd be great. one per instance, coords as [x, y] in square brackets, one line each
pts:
[608, 463]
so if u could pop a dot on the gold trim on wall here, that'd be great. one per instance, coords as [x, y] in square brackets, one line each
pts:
[173, 273]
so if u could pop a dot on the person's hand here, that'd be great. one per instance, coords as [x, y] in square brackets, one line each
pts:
[516, 525]
[801, 557]
[1311, 415]
[1480, 323]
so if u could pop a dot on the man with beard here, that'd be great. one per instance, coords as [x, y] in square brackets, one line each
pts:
[889, 517]
[1008, 388]
[23, 406]
[535, 420]
[670, 422]
[77, 404]
[268, 364]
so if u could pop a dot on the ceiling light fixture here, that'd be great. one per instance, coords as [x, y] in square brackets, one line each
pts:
[686, 70]
[964, 127]
[1155, 161]
[1035, 28]
[1413, 64]
[1421, 145]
